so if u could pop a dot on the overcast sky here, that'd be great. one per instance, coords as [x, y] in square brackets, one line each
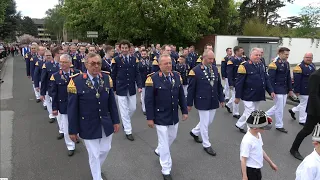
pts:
[37, 8]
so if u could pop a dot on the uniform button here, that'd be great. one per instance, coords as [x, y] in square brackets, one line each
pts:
[128, 84]
[100, 117]
[173, 109]
[171, 96]
[60, 100]
[98, 102]
[158, 110]
[99, 109]
[82, 117]
[200, 97]
[128, 74]
[128, 79]
[173, 103]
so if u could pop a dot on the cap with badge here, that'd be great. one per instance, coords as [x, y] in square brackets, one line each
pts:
[259, 119]
[316, 133]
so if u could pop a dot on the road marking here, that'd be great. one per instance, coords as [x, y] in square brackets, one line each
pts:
[6, 143]
[7, 77]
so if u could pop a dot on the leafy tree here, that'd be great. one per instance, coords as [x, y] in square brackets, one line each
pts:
[221, 11]
[27, 26]
[10, 24]
[54, 22]
[3, 6]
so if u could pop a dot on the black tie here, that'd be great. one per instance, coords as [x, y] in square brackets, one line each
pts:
[96, 83]
[127, 60]
[67, 76]
[168, 79]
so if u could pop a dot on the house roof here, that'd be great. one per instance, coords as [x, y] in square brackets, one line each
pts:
[38, 21]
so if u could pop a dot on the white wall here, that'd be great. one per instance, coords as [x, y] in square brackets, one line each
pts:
[298, 47]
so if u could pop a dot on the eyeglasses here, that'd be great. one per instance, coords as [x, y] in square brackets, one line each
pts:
[95, 63]
[48, 55]
[64, 62]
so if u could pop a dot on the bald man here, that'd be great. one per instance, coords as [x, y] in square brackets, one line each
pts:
[301, 74]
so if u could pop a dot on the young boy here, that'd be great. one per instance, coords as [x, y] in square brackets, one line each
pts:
[309, 169]
[183, 69]
[251, 151]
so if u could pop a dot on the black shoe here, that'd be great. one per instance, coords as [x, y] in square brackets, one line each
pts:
[292, 114]
[130, 137]
[196, 138]
[227, 100]
[167, 177]
[144, 113]
[282, 130]
[302, 124]
[61, 135]
[38, 100]
[241, 130]
[70, 152]
[236, 116]
[210, 151]
[45, 107]
[103, 177]
[156, 153]
[52, 120]
[228, 109]
[296, 154]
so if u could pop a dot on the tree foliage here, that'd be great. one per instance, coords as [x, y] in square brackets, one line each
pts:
[10, 24]
[161, 21]
[54, 22]
[3, 6]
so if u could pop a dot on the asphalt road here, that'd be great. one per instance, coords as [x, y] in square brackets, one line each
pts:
[38, 155]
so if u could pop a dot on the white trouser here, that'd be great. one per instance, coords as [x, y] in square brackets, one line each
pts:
[235, 107]
[206, 118]
[301, 108]
[226, 89]
[64, 122]
[143, 105]
[166, 136]
[44, 102]
[127, 106]
[36, 93]
[60, 124]
[98, 150]
[249, 107]
[49, 105]
[185, 90]
[277, 109]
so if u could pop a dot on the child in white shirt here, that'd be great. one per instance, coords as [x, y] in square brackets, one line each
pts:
[251, 151]
[309, 169]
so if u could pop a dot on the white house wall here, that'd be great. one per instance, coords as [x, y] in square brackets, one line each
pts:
[298, 47]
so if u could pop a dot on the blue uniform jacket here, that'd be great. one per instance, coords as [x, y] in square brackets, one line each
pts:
[190, 62]
[106, 64]
[31, 60]
[162, 99]
[194, 57]
[200, 92]
[280, 77]
[301, 75]
[183, 69]
[37, 73]
[59, 90]
[125, 75]
[252, 82]
[224, 62]
[75, 58]
[145, 68]
[87, 113]
[79, 62]
[48, 69]
[232, 69]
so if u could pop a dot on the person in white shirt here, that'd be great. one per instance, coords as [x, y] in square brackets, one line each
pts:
[251, 151]
[309, 169]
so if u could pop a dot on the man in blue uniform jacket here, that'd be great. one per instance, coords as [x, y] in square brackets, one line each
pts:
[232, 71]
[50, 67]
[280, 78]
[92, 112]
[224, 74]
[125, 75]
[164, 93]
[145, 68]
[301, 75]
[106, 61]
[251, 85]
[37, 73]
[206, 93]
[31, 59]
[60, 81]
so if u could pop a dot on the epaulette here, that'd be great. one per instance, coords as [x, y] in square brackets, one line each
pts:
[37, 63]
[229, 62]
[297, 69]
[150, 74]
[191, 73]
[272, 65]
[242, 69]
[106, 72]
[149, 81]
[155, 58]
[74, 75]
[72, 87]
[113, 61]
[243, 62]
[83, 60]
[137, 60]
[155, 62]
[74, 57]
[44, 66]
[71, 66]
[274, 60]
[26, 56]
[52, 78]
[199, 60]
[31, 59]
